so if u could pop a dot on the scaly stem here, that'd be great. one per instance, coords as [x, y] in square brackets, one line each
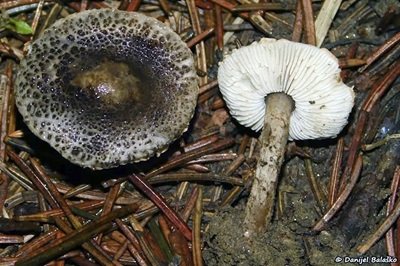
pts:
[260, 205]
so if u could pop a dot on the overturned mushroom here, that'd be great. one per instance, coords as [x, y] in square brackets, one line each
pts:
[292, 91]
[107, 87]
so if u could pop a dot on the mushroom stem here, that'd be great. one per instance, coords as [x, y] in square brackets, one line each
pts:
[274, 136]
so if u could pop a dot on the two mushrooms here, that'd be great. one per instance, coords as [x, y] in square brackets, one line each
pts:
[106, 88]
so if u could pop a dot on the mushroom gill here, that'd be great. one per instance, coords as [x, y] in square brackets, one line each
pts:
[107, 87]
[291, 91]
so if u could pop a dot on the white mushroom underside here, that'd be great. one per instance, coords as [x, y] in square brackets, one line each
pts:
[311, 76]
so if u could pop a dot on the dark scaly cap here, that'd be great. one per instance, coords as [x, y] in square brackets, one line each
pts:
[106, 87]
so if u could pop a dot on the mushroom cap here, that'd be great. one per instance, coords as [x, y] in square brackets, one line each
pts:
[309, 75]
[107, 87]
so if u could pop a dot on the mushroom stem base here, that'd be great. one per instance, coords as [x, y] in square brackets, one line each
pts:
[260, 205]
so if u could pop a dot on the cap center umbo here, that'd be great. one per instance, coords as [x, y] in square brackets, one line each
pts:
[103, 87]
[111, 82]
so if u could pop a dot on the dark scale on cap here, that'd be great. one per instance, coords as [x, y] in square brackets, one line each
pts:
[107, 87]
